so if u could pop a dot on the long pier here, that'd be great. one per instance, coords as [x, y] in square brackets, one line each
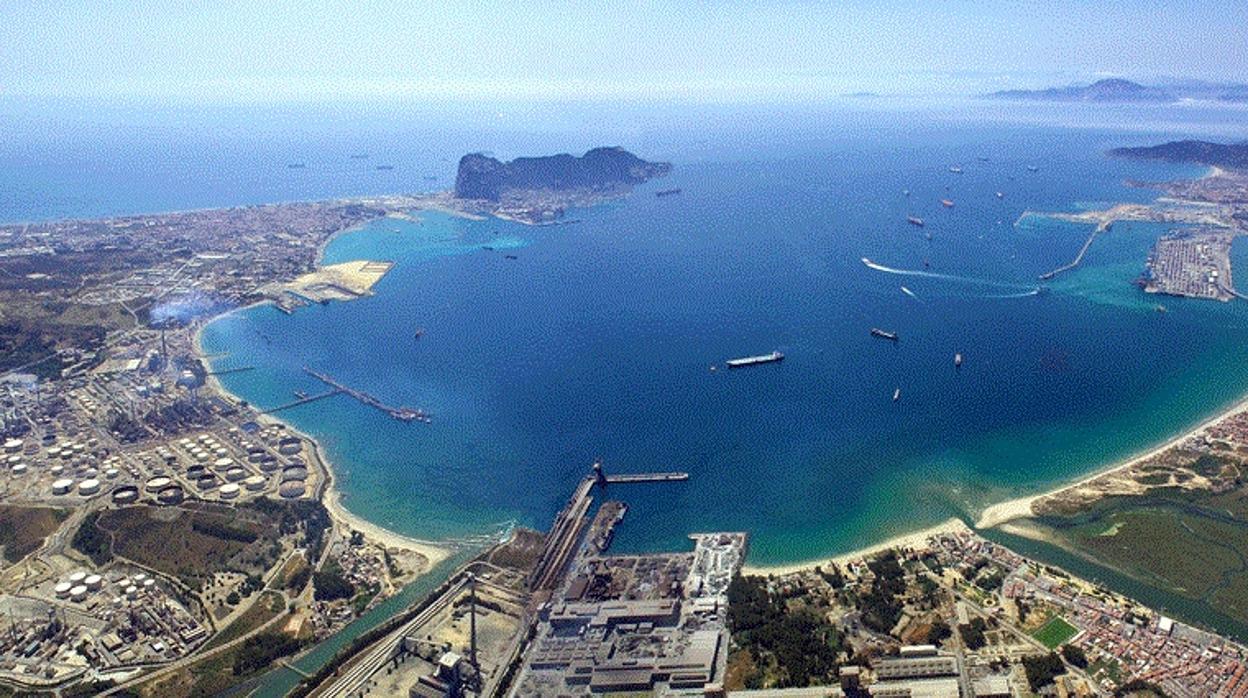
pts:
[228, 371]
[403, 414]
[1079, 257]
[301, 401]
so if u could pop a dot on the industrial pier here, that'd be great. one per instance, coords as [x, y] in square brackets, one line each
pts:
[569, 523]
[404, 414]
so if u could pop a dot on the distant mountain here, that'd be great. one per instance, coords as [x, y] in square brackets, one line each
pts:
[1232, 155]
[1112, 90]
[487, 178]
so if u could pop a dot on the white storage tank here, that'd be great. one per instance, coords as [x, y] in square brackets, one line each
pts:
[77, 578]
[255, 483]
[89, 487]
[158, 483]
[62, 590]
[228, 491]
[78, 593]
[62, 486]
[93, 582]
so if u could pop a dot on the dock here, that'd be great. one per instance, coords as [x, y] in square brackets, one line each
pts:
[561, 540]
[403, 414]
[569, 524]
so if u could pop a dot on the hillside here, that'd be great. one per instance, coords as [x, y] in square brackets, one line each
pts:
[486, 178]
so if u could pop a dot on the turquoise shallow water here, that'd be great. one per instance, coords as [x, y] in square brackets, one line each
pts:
[596, 343]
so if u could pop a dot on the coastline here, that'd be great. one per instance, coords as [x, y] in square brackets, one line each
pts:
[1021, 507]
[328, 494]
[916, 539]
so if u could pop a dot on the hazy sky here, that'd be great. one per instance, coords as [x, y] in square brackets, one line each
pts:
[256, 49]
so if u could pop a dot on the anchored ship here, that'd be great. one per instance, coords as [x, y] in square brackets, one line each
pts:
[947, 203]
[755, 360]
[882, 334]
[914, 220]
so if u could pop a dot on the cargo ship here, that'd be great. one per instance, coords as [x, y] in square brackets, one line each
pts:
[882, 334]
[914, 220]
[755, 360]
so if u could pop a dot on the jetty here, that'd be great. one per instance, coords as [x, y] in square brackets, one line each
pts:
[403, 414]
[227, 371]
[301, 401]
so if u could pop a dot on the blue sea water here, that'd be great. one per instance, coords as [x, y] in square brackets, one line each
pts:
[596, 341]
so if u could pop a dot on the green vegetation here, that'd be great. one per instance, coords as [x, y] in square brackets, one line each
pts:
[23, 529]
[973, 633]
[329, 584]
[881, 606]
[189, 543]
[1188, 542]
[787, 642]
[1075, 656]
[1055, 633]
[92, 541]
[266, 607]
[1042, 669]
[261, 650]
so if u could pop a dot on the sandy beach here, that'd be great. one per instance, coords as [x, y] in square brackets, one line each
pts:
[1021, 507]
[917, 539]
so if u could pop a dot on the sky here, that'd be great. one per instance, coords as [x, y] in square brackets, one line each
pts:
[725, 50]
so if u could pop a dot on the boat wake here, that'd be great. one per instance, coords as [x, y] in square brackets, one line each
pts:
[1025, 294]
[947, 277]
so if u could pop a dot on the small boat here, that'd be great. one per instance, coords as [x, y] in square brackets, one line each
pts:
[360, 156]
[487, 248]
[927, 263]
[301, 395]
[295, 165]
[982, 158]
[905, 192]
[955, 169]
[947, 203]
[666, 192]
[884, 334]
[896, 395]
[385, 168]
[957, 361]
[511, 256]
[1160, 308]
[1000, 195]
[1033, 168]
[928, 236]
[420, 332]
[914, 220]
